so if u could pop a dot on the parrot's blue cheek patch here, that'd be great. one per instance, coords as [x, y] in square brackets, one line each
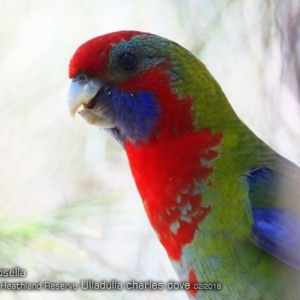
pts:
[135, 115]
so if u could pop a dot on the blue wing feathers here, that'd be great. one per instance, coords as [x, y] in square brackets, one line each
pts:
[276, 223]
[277, 232]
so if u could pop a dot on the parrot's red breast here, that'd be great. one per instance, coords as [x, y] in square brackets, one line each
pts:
[174, 209]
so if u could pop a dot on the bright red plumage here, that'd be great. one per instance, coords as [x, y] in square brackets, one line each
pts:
[92, 56]
[177, 166]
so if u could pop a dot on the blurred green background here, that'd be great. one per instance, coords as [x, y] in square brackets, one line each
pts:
[69, 207]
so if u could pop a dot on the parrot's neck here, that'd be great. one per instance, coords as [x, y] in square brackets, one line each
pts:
[170, 177]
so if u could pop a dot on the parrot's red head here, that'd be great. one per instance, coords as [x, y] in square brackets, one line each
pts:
[127, 83]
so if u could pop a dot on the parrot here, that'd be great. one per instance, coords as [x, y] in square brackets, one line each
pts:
[223, 204]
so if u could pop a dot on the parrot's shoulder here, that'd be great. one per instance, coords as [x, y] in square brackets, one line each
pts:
[274, 188]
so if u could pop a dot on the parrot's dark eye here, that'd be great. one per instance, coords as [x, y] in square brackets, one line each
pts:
[128, 61]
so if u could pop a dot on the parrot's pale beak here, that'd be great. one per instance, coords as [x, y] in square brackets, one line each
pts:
[89, 95]
[81, 93]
